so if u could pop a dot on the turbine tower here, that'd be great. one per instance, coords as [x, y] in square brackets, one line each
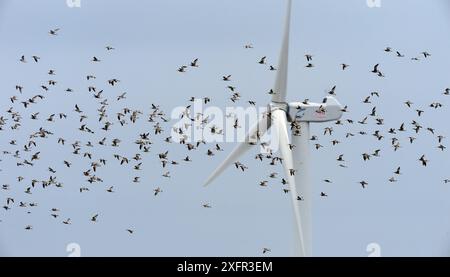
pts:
[296, 162]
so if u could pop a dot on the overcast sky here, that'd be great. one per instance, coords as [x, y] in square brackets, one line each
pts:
[151, 40]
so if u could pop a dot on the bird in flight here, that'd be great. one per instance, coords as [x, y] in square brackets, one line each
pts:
[262, 60]
[375, 69]
[226, 78]
[94, 218]
[194, 63]
[182, 69]
[423, 160]
[363, 184]
[426, 54]
[157, 191]
[54, 32]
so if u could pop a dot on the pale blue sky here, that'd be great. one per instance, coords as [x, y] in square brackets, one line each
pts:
[152, 39]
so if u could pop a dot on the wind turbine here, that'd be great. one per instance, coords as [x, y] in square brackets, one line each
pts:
[296, 162]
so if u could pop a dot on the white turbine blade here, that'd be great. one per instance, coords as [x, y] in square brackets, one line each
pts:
[301, 155]
[282, 70]
[280, 124]
[259, 129]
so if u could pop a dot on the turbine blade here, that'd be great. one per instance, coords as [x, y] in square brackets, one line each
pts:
[280, 123]
[301, 155]
[282, 70]
[258, 130]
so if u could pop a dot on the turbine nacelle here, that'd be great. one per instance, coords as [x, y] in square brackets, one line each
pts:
[329, 110]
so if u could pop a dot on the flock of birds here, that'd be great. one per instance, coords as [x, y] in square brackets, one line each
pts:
[414, 131]
[25, 152]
